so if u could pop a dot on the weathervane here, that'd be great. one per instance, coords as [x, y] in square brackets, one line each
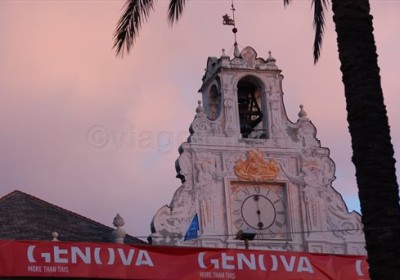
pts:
[227, 20]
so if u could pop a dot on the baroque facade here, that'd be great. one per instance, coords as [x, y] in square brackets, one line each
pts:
[247, 167]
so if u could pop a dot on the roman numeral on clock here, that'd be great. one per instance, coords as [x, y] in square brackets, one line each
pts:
[246, 191]
[236, 212]
[239, 223]
[279, 224]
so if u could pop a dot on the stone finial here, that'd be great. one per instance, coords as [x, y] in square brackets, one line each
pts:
[118, 221]
[270, 58]
[55, 235]
[271, 62]
[236, 52]
[199, 109]
[119, 233]
[224, 54]
[302, 114]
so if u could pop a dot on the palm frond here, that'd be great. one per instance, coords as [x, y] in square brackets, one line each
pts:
[319, 25]
[128, 26]
[286, 2]
[175, 10]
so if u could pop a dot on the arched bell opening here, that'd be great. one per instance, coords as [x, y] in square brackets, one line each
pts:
[252, 115]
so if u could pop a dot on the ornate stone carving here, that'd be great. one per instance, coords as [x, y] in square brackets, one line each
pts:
[255, 168]
[315, 176]
[275, 106]
[326, 213]
[205, 168]
[202, 126]
[216, 154]
[249, 56]
[303, 133]
[307, 134]
[170, 222]
[342, 224]
[230, 162]
[208, 169]
[183, 166]
[229, 105]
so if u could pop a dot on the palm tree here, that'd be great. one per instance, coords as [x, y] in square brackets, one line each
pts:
[373, 154]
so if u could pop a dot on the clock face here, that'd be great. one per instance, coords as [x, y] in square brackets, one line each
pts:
[260, 208]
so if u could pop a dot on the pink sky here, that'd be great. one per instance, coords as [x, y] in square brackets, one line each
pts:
[98, 135]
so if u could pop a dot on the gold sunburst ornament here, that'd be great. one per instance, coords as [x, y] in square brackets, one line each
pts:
[256, 168]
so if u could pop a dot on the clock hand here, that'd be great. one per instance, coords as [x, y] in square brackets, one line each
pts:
[259, 224]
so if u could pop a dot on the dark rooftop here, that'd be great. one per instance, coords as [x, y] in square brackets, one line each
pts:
[25, 217]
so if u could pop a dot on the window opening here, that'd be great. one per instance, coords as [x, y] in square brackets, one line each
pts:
[214, 98]
[250, 113]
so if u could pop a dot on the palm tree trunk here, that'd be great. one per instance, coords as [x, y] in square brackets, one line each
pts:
[373, 154]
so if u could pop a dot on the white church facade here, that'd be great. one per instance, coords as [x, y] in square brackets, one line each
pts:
[247, 167]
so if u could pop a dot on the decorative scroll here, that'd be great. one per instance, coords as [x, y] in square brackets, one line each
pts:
[255, 168]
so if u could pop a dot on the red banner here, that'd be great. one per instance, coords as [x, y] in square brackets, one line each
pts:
[106, 260]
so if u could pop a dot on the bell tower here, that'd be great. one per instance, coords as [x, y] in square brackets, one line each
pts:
[247, 97]
[247, 167]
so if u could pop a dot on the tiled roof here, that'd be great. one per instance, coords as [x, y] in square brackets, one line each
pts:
[25, 217]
